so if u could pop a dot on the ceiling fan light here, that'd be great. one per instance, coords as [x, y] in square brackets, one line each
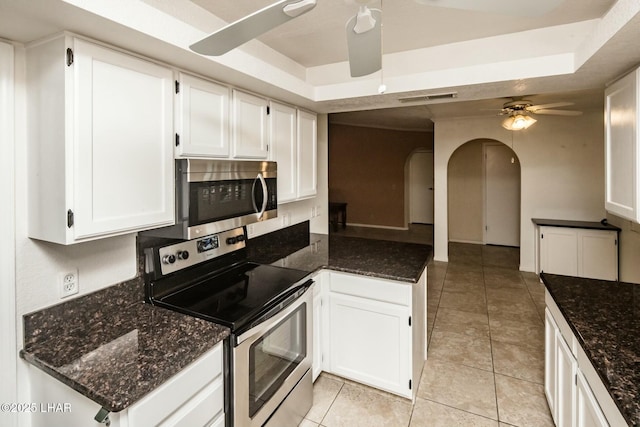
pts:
[364, 21]
[518, 122]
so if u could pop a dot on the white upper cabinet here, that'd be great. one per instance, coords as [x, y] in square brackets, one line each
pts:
[249, 126]
[293, 138]
[202, 118]
[100, 142]
[307, 154]
[622, 151]
[284, 149]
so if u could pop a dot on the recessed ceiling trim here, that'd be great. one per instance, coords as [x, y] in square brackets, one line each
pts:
[429, 97]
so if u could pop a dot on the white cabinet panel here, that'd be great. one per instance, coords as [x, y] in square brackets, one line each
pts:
[307, 154]
[622, 153]
[293, 142]
[566, 366]
[202, 118]
[558, 251]
[598, 254]
[371, 342]
[106, 166]
[249, 126]
[283, 141]
[550, 357]
[588, 412]
[579, 252]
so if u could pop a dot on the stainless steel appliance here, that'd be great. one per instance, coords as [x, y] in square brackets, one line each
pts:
[270, 314]
[218, 195]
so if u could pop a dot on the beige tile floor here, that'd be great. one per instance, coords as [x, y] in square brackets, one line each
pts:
[485, 362]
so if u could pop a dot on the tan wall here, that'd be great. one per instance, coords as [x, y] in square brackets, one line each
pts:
[367, 170]
[465, 193]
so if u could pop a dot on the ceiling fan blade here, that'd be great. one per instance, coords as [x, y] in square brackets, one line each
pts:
[534, 108]
[251, 26]
[511, 7]
[365, 56]
[558, 112]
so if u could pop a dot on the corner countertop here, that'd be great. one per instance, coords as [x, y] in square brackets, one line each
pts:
[605, 317]
[113, 348]
[384, 259]
[591, 225]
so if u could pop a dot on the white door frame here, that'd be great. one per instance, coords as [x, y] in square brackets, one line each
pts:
[407, 184]
[8, 322]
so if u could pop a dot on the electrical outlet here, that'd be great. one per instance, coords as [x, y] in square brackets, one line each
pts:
[69, 283]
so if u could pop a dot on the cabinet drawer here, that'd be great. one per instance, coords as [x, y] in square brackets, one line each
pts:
[376, 289]
[202, 410]
[169, 397]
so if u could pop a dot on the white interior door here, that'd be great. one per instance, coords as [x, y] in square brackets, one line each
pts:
[502, 196]
[421, 188]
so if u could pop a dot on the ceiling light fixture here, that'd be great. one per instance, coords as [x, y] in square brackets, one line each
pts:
[518, 121]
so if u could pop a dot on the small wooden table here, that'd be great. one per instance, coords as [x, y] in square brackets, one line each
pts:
[337, 211]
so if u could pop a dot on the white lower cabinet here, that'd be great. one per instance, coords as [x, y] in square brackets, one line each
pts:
[192, 398]
[372, 331]
[572, 399]
[370, 342]
[588, 413]
[318, 308]
[579, 252]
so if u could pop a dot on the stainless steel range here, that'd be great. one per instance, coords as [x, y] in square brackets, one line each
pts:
[268, 309]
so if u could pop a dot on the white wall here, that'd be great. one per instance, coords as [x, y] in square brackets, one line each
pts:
[562, 171]
[8, 330]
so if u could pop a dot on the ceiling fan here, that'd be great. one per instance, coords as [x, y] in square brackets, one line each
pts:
[364, 30]
[518, 111]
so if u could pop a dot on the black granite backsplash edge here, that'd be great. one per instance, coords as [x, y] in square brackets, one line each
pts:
[278, 244]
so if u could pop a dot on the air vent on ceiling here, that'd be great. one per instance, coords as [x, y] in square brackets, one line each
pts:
[429, 97]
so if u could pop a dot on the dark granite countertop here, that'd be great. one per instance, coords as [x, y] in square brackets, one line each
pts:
[605, 317]
[376, 258]
[113, 348]
[592, 225]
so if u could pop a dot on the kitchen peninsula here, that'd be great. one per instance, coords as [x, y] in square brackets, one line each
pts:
[592, 329]
[118, 353]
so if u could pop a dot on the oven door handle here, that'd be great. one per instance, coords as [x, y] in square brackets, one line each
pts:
[285, 307]
[265, 195]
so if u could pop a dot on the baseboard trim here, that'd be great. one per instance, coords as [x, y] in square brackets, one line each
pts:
[386, 227]
[466, 241]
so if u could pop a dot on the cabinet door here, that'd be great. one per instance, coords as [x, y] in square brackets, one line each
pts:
[621, 147]
[283, 141]
[307, 154]
[566, 367]
[550, 356]
[559, 250]
[317, 335]
[123, 128]
[249, 126]
[370, 342]
[598, 254]
[588, 412]
[202, 118]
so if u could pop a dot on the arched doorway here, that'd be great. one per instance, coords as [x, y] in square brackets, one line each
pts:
[483, 194]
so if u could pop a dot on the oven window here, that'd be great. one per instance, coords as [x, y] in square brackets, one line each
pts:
[274, 356]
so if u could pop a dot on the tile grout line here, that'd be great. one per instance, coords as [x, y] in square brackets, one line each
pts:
[493, 365]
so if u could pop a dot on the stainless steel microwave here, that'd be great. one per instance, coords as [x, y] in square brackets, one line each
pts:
[218, 195]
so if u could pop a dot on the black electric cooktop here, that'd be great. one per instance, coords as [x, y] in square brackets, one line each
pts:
[235, 296]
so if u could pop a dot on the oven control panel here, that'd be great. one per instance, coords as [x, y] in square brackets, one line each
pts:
[185, 254]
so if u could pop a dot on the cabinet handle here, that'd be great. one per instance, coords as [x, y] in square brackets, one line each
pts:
[69, 56]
